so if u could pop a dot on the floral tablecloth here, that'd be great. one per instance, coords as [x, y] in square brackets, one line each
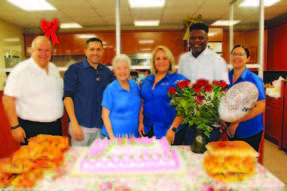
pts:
[196, 179]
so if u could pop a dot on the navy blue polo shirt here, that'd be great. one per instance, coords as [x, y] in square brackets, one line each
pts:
[80, 83]
[255, 125]
[156, 109]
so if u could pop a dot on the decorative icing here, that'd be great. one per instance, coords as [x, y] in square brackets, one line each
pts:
[134, 154]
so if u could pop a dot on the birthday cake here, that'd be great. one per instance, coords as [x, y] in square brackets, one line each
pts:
[129, 156]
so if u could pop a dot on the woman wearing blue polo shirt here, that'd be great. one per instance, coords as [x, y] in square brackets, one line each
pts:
[250, 128]
[159, 119]
[121, 102]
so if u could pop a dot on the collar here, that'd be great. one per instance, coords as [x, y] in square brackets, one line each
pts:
[203, 53]
[37, 67]
[244, 73]
[87, 65]
[168, 76]
[119, 87]
[242, 76]
[151, 77]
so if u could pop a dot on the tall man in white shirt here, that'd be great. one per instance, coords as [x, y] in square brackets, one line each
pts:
[33, 95]
[202, 63]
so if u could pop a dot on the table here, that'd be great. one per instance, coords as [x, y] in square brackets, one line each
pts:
[196, 178]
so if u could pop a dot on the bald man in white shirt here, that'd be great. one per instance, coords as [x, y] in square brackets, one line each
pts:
[33, 95]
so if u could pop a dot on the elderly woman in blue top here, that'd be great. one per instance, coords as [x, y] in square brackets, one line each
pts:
[121, 102]
[250, 128]
[159, 119]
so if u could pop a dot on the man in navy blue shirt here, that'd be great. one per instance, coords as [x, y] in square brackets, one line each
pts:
[84, 83]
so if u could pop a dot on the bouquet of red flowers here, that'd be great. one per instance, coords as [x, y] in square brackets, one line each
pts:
[198, 102]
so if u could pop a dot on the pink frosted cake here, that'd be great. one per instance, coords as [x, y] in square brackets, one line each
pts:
[128, 156]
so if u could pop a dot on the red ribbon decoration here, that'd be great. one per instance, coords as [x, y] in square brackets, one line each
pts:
[50, 28]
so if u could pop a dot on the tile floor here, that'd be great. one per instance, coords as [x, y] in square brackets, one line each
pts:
[275, 160]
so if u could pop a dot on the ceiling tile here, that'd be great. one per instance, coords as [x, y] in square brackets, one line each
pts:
[101, 13]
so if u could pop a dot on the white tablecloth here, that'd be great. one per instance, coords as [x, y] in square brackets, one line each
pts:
[196, 178]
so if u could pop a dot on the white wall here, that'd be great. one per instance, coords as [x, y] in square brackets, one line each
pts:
[9, 30]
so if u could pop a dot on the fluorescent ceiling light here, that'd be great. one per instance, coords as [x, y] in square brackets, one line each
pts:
[225, 22]
[146, 23]
[146, 3]
[32, 5]
[146, 41]
[86, 36]
[70, 25]
[107, 46]
[11, 39]
[255, 3]
[212, 33]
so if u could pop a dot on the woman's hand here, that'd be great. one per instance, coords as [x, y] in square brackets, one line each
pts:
[170, 135]
[231, 129]
[141, 129]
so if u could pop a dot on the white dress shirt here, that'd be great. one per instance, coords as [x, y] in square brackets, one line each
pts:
[208, 65]
[38, 94]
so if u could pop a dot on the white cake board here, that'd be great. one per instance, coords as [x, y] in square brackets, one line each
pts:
[180, 171]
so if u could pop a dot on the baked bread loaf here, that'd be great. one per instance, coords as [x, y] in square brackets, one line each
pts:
[230, 161]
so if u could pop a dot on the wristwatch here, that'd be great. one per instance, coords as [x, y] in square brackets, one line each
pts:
[15, 127]
[174, 129]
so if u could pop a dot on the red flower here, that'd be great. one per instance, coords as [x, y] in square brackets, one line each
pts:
[172, 90]
[182, 84]
[202, 82]
[208, 88]
[199, 98]
[196, 88]
[187, 82]
[215, 82]
[222, 83]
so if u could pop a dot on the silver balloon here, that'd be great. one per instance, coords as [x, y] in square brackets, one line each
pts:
[238, 101]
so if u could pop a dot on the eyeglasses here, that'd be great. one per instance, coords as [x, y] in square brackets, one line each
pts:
[98, 76]
[194, 37]
[237, 54]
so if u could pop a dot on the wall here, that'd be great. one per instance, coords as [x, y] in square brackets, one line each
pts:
[9, 30]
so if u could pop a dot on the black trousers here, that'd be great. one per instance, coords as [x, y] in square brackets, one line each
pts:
[178, 139]
[34, 128]
[253, 141]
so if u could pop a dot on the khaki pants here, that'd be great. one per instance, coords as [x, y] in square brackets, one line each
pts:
[90, 134]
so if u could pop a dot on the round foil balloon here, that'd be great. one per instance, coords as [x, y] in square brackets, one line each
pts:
[238, 101]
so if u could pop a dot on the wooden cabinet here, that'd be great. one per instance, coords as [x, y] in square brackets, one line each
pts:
[284, 125]
[273, 119]
[250, 39]
[280, 57]
[72, 44]
[271, 49]
[277, 43]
